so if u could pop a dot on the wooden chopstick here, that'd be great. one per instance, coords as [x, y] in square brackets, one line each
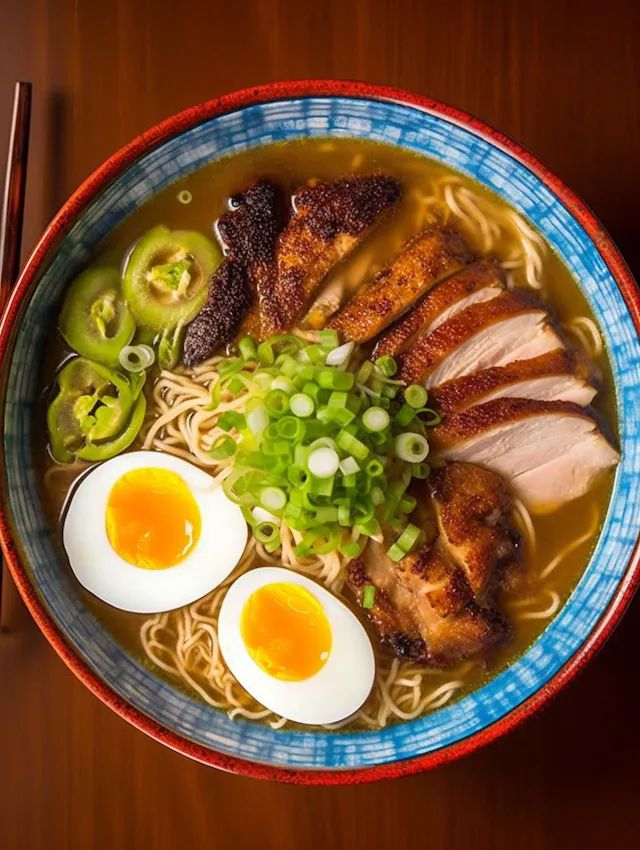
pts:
[13, 213]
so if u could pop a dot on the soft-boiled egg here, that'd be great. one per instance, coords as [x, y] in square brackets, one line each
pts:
[294, 647]
[148, 532]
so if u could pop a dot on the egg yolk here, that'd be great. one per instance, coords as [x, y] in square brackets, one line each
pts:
[152, 519]
[286, 631]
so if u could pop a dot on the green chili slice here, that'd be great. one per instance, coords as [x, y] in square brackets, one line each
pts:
[95, 321]
[96, 413]
[166, 277]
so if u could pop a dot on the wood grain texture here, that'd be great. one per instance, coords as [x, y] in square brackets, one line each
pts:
[562, 78]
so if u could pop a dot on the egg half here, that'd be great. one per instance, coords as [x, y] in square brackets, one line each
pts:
[294, 647]
[148, 532]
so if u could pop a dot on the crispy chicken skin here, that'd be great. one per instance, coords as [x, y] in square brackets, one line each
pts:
[249, 233]
[560, 375]
[330, 218]
[228, 301]
[473, 507]
[436, 606]
[479, 281]
[428, 258]
[491, 333]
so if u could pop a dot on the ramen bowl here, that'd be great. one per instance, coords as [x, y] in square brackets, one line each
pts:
[178, 146]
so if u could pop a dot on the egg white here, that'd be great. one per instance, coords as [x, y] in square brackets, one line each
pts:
[336, 691]
[100, 569]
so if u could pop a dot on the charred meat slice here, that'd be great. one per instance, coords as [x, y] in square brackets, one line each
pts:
[474, 511]
[555, 376]
[550, 451]
[428, 258]
[392, 613]
[424, 607]
[480, 281]
[330, 219]
[513, 326]
[228, 301]
[249, 233]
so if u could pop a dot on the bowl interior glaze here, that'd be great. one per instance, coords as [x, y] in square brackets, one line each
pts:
[447, 140]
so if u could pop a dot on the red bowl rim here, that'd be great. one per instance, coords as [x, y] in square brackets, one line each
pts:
[94, 184]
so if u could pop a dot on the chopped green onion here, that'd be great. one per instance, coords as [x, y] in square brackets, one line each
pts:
[323, 462]
[331, 379]
[407, 504]
[405, 415]
[415, 396]
[374, 468]
[291, 428]
[230, 366]
[297, 477]
[349, 466]
[376, 495]
[231, 419]
[351, 549]
[266, 532]
[412, 448]
[340, 356]
[276, 402]
[257, 419]
[344, 515]
[375, 419]
[261, 515]
[247, 349]
[368, 596]
[223, 447]
[405, 543]
[235, 385]
[285, 384]
[432, 417]
[350, 444]
[136, 358]
[301, 405]
[387, 365]
[273, 498]
[329, 338]
[321, 444]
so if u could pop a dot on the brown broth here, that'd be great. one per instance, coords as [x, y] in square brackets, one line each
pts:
[291, 164]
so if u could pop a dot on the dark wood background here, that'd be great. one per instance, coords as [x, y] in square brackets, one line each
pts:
[563, 79]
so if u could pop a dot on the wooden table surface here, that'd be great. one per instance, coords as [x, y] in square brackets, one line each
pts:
[564, 80]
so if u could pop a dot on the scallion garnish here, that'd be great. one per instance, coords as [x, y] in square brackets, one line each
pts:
[368, 596]
[387, 365]
[318, 439]
[412, 448]
[405, 543]
[136, 358]
[415, 396]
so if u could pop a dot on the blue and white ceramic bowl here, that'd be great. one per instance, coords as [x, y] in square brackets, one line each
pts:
[183, 144]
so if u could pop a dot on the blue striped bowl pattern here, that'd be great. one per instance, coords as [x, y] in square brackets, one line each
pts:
[446, 142]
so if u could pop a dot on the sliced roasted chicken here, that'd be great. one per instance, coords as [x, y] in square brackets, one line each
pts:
[474, 512]
[249, 232]
[550, 451]
[480, 281]
[428, 258]
[423, 608]
[437, 604]
[513, 326]
[559, 375]
[330, 218]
